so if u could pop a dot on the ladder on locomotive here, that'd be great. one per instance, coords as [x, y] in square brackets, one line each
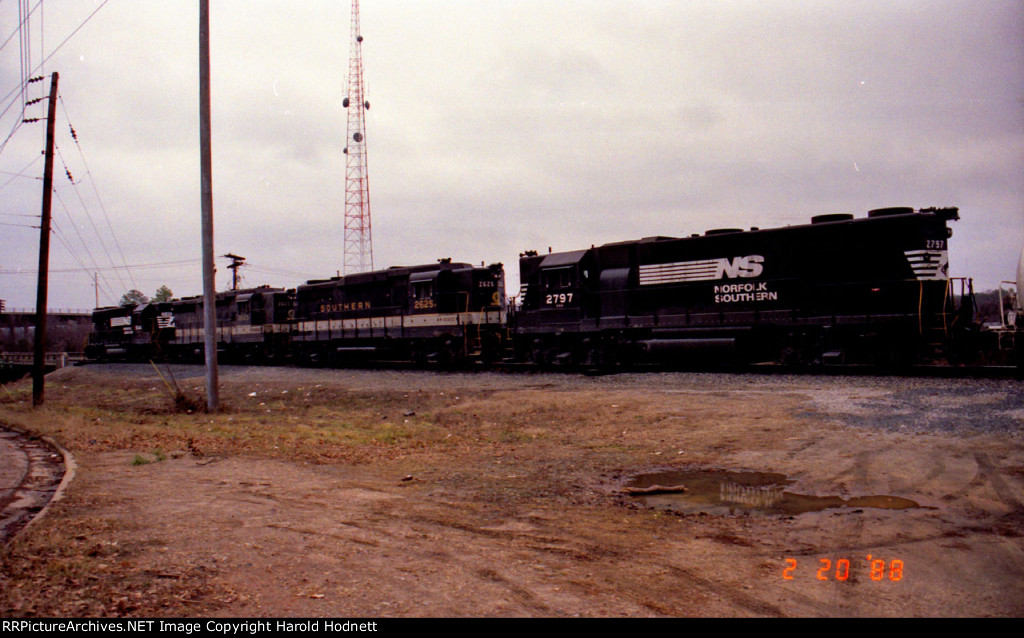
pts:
[957, 310]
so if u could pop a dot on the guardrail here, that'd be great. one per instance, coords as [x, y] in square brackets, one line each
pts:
[50, 359]
[49, 311]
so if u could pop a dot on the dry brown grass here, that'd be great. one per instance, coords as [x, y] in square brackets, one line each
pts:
[498, 446]
[316, 422]
[68, 567]
[525, 445]
[88, 412]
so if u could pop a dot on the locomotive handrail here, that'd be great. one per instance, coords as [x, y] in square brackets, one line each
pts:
[945, 297]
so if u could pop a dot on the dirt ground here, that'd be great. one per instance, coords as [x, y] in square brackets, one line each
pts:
[386, 493]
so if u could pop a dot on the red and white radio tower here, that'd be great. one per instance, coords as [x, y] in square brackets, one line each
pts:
[358, 235]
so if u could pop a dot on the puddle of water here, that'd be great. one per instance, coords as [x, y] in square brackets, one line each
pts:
[727, 493]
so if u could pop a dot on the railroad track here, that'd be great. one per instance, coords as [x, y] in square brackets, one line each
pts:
[853, 370]
[31, 470]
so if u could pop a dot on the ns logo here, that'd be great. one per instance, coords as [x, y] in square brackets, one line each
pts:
[749, 266]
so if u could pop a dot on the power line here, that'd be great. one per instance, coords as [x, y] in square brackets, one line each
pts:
[21, 173]
[25, 30]
[47, 58]
[18, 30]
[163, 264]
[95, 230]
[108, 292]
[77, 231]
[256, 268]
[95, 190]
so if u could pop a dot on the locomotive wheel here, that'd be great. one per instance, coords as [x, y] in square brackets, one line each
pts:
[540, 354]
[602, 354]
[802, 350]
[449, 355]
[418, 354]
[491, 349]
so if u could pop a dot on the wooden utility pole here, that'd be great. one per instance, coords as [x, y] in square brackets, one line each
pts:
[237, 262]
[206, 170]
[39, 360]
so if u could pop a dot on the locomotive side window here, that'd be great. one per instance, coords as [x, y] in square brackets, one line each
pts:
[558, 278]
[559, 284]
[423, 290]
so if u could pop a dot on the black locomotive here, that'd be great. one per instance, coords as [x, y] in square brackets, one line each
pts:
[447, 313]
[130, 333]
[838, 290]
[253, 325]
[872, 290]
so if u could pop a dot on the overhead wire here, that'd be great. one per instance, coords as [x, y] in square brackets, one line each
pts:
[88, 216]
[25, 29]
[85, 209]
[17, 31]
[78, 232]
[67, 246]
[25, 63]
[95, 190]
[52, 53]
[15, 90]
[21, 92]
[84, 268]
[280, 272]
[21, 173]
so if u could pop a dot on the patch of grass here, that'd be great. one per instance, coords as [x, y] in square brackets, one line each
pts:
[158, 455]
[98, 411]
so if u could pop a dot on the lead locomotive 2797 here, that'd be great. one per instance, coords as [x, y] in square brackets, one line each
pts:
[871, 290]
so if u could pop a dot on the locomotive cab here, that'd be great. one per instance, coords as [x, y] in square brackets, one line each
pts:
[153, 329]
[111, 334]
[556, 285]
[557, 292]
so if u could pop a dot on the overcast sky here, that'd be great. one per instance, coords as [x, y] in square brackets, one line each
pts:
[501, 126]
